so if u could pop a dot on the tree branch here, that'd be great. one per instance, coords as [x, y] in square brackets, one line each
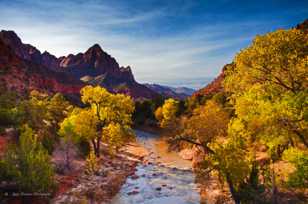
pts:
[301, 137]
[204, 146]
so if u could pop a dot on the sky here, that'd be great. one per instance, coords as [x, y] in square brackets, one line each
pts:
[175, 42]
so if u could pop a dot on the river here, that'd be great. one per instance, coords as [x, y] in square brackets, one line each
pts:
[165, 178]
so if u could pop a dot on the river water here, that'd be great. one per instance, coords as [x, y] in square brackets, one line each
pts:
[165, 179]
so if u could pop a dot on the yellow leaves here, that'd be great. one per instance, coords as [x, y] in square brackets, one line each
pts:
[94, 95]
[208, 122]
[159, 114]
[67, 128]
[269, 87]
[91, 163]
[299, 159]
[107, 116]
[271, 61]
[85, 123]
[115, 136]
[108, 107]
[231, 159]
[166, 114]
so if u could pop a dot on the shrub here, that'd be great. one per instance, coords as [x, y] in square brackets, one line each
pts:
[48, 143]
[91, 163]
[84, 147]
[298, 178]
[28, 164]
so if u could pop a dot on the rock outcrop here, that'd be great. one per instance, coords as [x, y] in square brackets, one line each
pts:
[303, 26]
[215, 86]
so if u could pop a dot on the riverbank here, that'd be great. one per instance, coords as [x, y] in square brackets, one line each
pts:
[101, 187]
[213, 191]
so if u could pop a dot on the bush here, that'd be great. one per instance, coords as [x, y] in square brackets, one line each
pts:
[92, 164]
[48, 143]
[28, 164]
[298, 178]
[84, 147]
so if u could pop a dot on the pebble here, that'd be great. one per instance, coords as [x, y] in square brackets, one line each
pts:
[158, 188]
[134, 177]
[133, 193]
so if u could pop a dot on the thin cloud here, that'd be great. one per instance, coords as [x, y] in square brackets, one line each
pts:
[73, 26]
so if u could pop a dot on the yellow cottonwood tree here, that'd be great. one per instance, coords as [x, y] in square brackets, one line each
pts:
[116, 135]
[103, 111]
[269, 84]
[269, 87]
[166, 115]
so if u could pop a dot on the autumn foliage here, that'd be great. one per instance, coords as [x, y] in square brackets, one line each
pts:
[264, 105]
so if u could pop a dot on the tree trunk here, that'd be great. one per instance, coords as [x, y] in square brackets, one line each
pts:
[98, 144]
[233, 192]
[67, 157]
[95, 148]
[274, 188]
[302, 138]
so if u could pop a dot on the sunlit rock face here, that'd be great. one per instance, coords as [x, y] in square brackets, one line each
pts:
[23, 76]
[215, 86]
[95, 67]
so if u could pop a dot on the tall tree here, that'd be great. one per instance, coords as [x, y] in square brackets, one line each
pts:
[103, 110]
[269, 87]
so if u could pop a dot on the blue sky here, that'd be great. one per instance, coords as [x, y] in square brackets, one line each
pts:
[172, 42]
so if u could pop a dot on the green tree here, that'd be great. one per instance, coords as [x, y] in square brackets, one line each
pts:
[8, 110]
[67, 132]
[28, 164]
[144, 113]
[298, 178]
[43, 113]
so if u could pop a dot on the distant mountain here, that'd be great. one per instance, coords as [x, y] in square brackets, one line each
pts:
[92, 67]
[183, 90]
[171, 92]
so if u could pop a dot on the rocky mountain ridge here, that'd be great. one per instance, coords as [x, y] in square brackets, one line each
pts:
[23, 76]
[92, 64]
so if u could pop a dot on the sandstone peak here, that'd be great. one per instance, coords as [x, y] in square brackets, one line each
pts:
[100, 67]
[96, 48]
